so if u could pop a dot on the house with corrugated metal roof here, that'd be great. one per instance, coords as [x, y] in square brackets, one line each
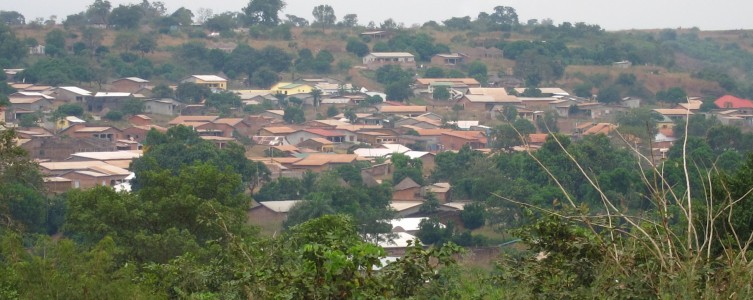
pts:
[376, 60]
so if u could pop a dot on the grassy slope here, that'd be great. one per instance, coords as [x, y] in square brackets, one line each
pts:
[334, 40]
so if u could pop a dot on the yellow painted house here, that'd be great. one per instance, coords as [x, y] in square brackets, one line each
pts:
[212, 81]
[287, 88]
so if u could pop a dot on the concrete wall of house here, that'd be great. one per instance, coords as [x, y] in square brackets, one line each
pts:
[85, 182]
[159, 108]
[56, 187]
[428, 163]
[452, 142]
[296, 138]
[109, 134]
[55, 148]
[472, 106]
[379, 172]
[270, 221]
[126, 86]
[407, 194]
[135, 134]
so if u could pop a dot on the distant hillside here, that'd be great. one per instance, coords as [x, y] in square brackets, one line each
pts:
[703, 63]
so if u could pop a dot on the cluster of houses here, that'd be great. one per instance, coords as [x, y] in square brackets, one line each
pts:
[77, 153]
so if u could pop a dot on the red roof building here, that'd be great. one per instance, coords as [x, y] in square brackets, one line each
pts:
[729, 101]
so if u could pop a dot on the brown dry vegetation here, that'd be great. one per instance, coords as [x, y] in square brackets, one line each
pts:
[334, 40]
[652, 77]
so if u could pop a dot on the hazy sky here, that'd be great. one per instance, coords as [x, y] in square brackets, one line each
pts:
[611, 15]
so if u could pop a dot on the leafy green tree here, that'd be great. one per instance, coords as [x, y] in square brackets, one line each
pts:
[192, 93]
[126, 40]
[99, 11]
[69, 109]
[296, 21]
[28, 120]
[12, 18]
[478, 71]
[325, 258]
[626, 79]
[350, 20]
[308, 210]
[610, 94]
[55, 43]
[324, 15]
[724, 137]
[672, 95]
[126, 16]
[264, 77]
[536, 68]
[182, 16]
[294, 115]
[263, 12]
[473, 215]
[583, 90]
[357, 47]
[434, 72]
[458, 23]
[548, 122]
[223, 100]
[505, 17]
[430, 205]
[316, 95]
[114, 115]
[132, 106]
[181, 145]
[283, 188]
[22, 202]
[698, 126]
[146, 44]
[531, 92]
[222, 23]
[505, 137]
[332, 111]
[350, 115]
[441, 93]
[509, 113]
[162, 91]
[524, 126]
[431, 232]
[398, 90]
[407, 167]
[639, 122]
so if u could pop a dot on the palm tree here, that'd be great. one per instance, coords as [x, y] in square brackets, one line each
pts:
[317, 94]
